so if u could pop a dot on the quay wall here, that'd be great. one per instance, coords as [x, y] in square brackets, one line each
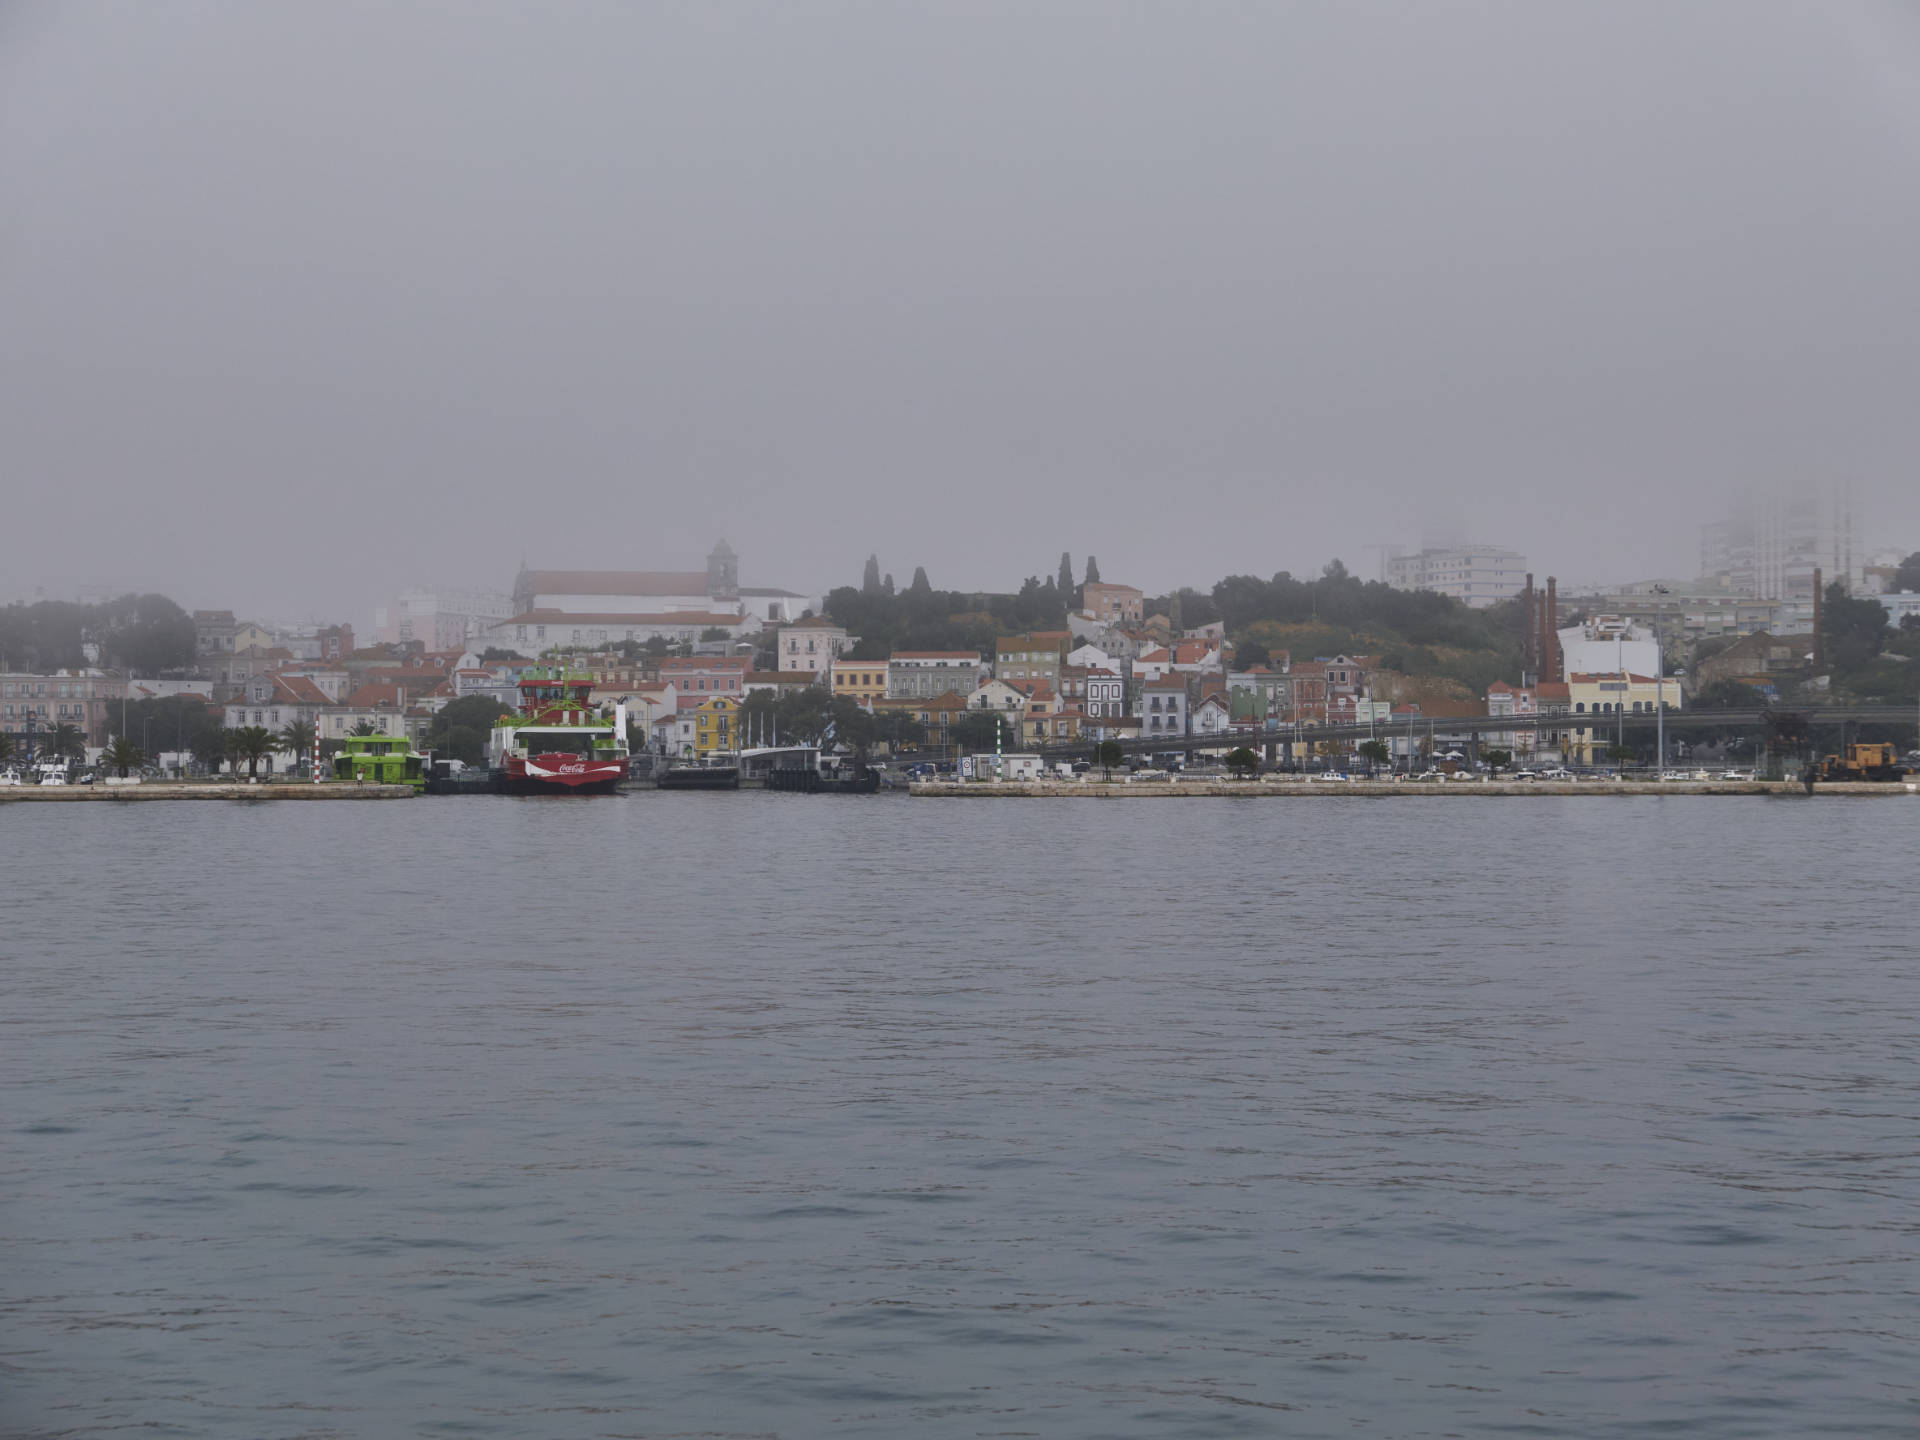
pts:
[1377, 789]
[172, 790]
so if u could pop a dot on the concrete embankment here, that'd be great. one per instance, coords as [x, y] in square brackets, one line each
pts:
[171, 790]
[1302, 789]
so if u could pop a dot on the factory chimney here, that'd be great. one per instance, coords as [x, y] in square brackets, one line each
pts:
[1551, 665]
[1530, 646]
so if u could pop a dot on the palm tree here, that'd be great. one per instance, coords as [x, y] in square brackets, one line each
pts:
[252, 743]
[64, 740]
[123, 755]
[297, 736]
[365, 727]
[6, 747]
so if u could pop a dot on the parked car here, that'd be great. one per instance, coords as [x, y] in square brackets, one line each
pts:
[1523, 775]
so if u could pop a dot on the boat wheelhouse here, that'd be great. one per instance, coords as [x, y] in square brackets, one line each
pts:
[559, 743]
[380, 760]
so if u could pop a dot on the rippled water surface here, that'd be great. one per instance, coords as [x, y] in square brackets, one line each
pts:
[767, 1115]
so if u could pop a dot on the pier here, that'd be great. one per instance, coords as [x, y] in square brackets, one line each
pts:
[1291, 789]
[190, 790]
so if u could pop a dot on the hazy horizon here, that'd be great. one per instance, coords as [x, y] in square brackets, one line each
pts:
[310, 304]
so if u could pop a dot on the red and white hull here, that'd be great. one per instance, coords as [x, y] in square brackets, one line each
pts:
[562, 773]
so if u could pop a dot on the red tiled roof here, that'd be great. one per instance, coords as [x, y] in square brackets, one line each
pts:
[612, 582]
[701, 618]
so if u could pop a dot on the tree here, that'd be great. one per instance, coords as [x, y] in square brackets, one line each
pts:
[853, 727]
[1497, 760]
[798, 717]
[146, 633]
[716, 632]
[895, 728]
[978, 730]
[1907, 577]
[364, 728]
[1243, 762]
[1108, 754]
[920, 585]
[296, 736]
[62, 741]
[209, 747]
[493, 653]
[1093, 571]
[1375, 752]
[886, 584]
[1249, 653]
[1852, 630]
[6, 747]
[123, 755]
[461, 728]
[870, 578]
[1064, 581]
[1621, 754]
[252, 743]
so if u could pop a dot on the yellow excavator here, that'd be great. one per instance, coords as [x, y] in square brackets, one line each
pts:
[1864, 762]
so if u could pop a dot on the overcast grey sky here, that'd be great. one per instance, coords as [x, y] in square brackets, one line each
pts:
[301, 303]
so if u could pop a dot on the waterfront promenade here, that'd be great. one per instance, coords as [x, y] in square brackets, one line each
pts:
[189, 790]
[1162, 789]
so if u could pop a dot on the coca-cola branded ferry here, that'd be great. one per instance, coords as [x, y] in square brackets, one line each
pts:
[559, 744]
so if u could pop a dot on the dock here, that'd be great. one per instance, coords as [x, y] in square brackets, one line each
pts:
[189, 790]
[1291, 789]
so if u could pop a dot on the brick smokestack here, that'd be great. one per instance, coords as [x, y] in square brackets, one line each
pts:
[1551, 666]
[1530, 647]
[1819, 637]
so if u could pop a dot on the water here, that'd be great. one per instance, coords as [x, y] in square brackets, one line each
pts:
[766, 1115]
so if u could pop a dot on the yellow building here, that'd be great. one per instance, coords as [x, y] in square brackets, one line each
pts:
[862, 681]
[1601, 703]
[716, 726]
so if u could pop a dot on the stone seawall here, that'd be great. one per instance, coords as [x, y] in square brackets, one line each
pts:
[1378, 789]
[170, 790]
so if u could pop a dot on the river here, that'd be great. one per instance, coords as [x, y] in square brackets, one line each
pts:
[763, 1115]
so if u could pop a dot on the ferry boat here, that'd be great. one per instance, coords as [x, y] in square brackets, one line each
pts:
[559, 744]
[380, 760]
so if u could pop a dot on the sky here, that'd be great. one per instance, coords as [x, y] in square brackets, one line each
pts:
[304, 303]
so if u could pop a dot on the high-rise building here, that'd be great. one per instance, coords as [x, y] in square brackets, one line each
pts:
[1480, 575]
[440, 618]
[1768, 545]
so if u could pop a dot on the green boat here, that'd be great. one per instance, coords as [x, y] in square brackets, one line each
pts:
[380, 760]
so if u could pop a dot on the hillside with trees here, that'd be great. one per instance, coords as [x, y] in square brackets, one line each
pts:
[147, 634]
[1415, 632]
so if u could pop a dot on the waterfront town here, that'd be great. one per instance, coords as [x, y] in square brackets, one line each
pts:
[1405, 672]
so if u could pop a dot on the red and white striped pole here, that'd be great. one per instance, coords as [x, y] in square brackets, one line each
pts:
[316, 749]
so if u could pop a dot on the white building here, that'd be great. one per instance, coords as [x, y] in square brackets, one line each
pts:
[812, 645]
[1479, 575]
[441, 617]
[929, 674]
[1609, 643]
[1769, 545]
[1899, 604]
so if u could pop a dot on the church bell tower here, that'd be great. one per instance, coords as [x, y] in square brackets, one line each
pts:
[723, 574]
